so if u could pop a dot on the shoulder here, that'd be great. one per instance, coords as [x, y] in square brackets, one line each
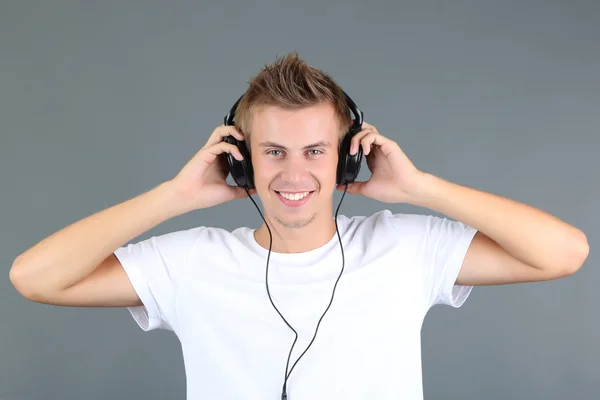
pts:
[203, 232]
[182, 240]
[387, 220]
[415, 223]
[210, 240]
[406, 225]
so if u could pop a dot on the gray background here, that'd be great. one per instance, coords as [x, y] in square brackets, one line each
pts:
[102, 101]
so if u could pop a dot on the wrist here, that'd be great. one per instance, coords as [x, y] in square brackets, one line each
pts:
[425, 190]
[172, 199]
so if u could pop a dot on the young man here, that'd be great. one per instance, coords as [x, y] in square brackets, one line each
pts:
[238, 300]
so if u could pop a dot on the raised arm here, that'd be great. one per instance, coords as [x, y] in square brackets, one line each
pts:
[76, 266]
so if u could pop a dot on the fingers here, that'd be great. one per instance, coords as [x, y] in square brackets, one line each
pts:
[367, 141]
[365, 138]
[212, 152]
[220, 132]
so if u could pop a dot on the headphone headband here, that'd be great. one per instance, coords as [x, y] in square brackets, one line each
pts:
[358, 115]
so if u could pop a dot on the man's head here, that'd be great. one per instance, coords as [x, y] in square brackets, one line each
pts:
[293, 117]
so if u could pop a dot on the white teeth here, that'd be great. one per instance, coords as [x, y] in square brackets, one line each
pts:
[296, 196]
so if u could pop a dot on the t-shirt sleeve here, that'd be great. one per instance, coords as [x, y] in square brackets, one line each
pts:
[153, 267]
[440, 245]
[445, 245]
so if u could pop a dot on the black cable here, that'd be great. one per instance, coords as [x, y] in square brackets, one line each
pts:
[287, 375]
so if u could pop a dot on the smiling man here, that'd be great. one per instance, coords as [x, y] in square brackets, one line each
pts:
[309, 305]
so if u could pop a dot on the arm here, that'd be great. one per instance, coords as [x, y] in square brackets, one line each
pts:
[76, 266]
[514, 243]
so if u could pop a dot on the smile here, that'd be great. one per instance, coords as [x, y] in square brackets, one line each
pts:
[294, 196]
[294, 199]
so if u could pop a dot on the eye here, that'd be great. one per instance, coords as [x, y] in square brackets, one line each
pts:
[275, 152]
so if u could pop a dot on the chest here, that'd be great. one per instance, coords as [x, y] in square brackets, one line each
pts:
[229, 329]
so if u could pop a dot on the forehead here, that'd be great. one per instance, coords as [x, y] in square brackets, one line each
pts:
[295, 127]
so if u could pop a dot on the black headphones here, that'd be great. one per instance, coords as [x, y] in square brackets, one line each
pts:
[348, 166]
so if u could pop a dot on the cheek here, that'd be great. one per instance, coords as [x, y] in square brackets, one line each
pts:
[263, 174]
[325, 172]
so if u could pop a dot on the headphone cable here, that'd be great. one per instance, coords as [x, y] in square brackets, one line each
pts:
[287, 374]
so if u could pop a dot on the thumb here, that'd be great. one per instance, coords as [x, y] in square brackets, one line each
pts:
[353, 188]
[240, 192]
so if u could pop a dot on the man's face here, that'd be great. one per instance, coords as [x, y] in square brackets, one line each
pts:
[294, 155]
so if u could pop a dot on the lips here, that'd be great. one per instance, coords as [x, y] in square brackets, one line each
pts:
[293, 202]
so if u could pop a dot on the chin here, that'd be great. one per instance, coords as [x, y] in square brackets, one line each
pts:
[295, 223]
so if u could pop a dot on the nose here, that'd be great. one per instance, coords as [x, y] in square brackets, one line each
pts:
[294, 169]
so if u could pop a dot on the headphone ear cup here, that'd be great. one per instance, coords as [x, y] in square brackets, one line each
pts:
[348, 165]
[241, 171]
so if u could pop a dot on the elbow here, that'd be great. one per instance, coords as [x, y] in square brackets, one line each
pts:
[14, 274]
[18, 279]
[577, 253]
[31, 283]
[15, 277]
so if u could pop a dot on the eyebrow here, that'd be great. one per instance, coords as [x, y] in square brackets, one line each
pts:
[310, 146]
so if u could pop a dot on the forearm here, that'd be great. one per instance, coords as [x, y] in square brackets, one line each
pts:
[72, 253]
[527, 233]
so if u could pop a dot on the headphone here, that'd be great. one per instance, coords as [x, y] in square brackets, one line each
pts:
[348, 165]
[348, 168]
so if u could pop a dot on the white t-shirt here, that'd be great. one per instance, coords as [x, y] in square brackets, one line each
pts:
[207, 285]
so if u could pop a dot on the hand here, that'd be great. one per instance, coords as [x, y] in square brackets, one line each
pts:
[394, 178]
[201, 183]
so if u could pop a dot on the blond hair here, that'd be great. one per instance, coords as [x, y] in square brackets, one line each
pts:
[290, 83]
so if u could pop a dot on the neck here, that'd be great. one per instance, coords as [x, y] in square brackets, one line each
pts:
[298, 239]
